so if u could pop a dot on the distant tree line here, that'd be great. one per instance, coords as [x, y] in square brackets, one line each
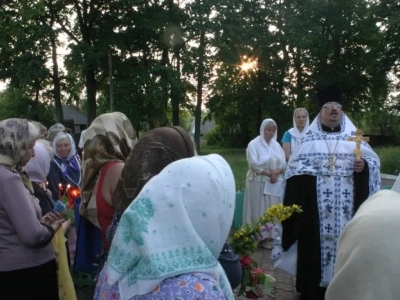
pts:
[243, 59]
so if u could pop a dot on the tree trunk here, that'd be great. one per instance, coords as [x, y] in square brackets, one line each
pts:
[299, 77]
[200, 78]
[164, 85]
[283, 43]
[86, 13]
[177, 93]
[56, 79]
[36, 103]
[90, 94]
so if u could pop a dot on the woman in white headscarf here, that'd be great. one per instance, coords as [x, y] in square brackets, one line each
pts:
[291, 138]
[65, 168]
[368, 261]
[163, 247]
[265, 184]
[37, 169]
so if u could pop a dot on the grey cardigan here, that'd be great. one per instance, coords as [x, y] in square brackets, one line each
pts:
[24, 240]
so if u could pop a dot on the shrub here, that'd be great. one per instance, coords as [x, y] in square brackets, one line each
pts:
[390, 160]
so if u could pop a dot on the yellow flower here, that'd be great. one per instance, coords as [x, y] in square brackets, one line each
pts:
[243, 241]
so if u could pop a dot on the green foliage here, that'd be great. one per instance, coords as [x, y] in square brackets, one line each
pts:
[383, 121]
[387, 13]
[185, 120]
[215, 138]
[390, 162]
[15, 103]
[165, 54]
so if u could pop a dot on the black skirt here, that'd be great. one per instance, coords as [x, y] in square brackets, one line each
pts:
[38, 282]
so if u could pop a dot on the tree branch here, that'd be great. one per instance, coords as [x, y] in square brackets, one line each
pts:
[93, 13]
[68, 32]
[80, 19]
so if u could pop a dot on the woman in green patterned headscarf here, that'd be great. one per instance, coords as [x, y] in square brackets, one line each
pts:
[164, 247]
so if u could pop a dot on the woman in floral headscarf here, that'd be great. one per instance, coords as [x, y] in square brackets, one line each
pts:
[108, 142]
[27, 263]
[163, 247]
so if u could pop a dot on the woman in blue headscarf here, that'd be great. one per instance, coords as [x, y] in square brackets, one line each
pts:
[65, 167]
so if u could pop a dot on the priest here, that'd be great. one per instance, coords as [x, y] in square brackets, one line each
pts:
[326, 179]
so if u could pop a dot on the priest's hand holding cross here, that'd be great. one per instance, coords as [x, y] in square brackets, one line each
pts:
[359, 163]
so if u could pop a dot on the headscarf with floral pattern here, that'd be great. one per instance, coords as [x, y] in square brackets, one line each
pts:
[14, 137]
[110, 137]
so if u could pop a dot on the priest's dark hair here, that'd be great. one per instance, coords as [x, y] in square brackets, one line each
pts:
[329, 94]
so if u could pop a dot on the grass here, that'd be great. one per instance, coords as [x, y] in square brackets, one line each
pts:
[389, 156]
[237, 160]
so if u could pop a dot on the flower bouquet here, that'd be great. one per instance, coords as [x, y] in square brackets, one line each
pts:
[255, 282]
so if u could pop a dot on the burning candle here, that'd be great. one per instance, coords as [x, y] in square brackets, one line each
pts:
[59, 190]
[66, 189]
[73, 193]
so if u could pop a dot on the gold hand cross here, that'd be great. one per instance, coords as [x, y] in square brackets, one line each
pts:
[358, 138]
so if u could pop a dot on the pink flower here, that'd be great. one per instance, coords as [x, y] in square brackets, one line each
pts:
[258, 238]
[254, 275]
[257, 271]
[268, 227]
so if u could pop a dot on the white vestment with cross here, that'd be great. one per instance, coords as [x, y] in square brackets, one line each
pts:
[330, 157]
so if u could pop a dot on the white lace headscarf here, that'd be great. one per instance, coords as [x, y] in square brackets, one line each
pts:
[260, 150]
